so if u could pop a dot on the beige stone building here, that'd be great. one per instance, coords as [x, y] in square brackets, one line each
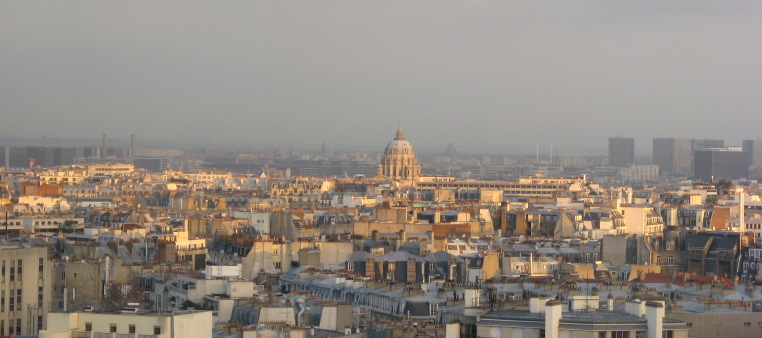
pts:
[155, 325]
[24, 289]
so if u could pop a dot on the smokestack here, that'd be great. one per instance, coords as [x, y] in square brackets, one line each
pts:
[742, 220]
[654, 318]
[103, 146]
[132, 145]
[553, 314]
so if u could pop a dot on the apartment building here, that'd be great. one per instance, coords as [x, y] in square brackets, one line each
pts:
[25, 282]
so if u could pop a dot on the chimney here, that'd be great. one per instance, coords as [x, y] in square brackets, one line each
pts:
[635, 307]
[452, 330]
[297, 333]
[472, 297]
[537, 304]
[553, 312]
[370, 268]
[654, 318]
[411, 270]
[610, 302]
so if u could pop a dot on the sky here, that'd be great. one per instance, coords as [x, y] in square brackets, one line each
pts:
[497, 75]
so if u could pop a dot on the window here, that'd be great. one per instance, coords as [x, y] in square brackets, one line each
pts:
[39, 296]
[132, 328]
[112, 327]
[433, 309]
[18, 299]
[658, 260]
[640, 334]
[20, 274]
[620, 334]
[668, 334]
[13, 271]
[41, 267]
[18, 326]
[671, 260]
[39, 323]
[88, 327]
[747, 324]
[157, 330]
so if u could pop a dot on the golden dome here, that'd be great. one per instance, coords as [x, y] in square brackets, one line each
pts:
[399, 160]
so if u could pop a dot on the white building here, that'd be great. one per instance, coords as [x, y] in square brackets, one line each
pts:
[639, 172]
[157, 325]
[642, 219]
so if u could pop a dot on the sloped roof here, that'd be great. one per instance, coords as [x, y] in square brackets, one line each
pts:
[441, 256]
[358, 256]
[398, 256]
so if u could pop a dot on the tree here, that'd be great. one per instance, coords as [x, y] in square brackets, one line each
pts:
[187, 304]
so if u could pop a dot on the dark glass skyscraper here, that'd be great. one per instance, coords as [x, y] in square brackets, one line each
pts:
[621, 151]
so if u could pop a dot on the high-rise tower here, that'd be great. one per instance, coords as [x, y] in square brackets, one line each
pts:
[621, 151]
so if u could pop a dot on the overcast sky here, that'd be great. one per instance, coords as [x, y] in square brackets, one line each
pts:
[475, 73]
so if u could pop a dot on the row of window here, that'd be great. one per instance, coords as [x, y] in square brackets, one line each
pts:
[15, 329]
[113, 328]
[626, 334]
[670, 260]
[15, 269]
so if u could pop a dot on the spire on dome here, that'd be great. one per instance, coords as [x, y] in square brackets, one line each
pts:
[399, 134]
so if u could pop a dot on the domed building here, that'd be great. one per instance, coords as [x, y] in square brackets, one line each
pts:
[399, 161]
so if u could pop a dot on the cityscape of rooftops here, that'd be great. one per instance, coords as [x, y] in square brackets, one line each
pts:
[381, 169]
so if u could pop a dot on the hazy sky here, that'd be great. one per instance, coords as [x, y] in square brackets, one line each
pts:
[474, 73]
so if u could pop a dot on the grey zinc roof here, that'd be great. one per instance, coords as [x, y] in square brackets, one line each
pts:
[398, 256]
[441, 256]
[358, 256]
[577, 317]
[698, 241]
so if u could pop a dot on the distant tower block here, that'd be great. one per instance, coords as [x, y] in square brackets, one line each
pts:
[451, 152]
[103, 146]
[621, 151]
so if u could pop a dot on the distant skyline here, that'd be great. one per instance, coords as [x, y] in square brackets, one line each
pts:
[488, 76]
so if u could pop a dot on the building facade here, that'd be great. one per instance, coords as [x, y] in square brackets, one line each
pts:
[721, 163]
[24, 289]
[672, 155]
[621, 151]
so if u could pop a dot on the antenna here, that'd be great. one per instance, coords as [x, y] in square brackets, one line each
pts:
[551, 153]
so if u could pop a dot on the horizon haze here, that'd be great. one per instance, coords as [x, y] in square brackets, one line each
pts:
[482, 75]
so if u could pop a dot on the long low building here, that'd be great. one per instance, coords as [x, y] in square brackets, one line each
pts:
[125, 324]
[537, 186]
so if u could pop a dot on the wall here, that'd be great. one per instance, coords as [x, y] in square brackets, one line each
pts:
[710, 325]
